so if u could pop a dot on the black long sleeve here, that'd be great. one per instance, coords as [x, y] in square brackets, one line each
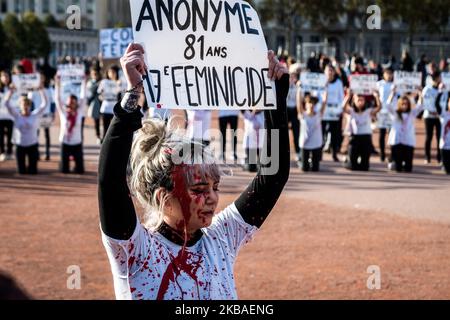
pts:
[117, 213]
[256, 203]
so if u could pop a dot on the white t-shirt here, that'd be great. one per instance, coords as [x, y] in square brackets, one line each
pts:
[360, 123]
[254, 133]
[430, 94]
[384, 118]
[291, 100]
[334, 107]
[445, 131]
[72, 138]
[142, 269]
[26, 128]
[311, 131]
[109, 91]
[403, 130]
[199, 124]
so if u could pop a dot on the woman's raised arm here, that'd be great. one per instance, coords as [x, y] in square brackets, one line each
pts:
[258, 200]
[117, 213]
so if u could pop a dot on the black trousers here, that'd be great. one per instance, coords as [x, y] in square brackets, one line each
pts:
[311, 159]
[430, 126]
[402, 156]
[334, 128]
[224, 122]
[446, 160]
[31, 154]
[106, 119]
[97, 127]
[382, 142]
[47, 141]
[6, 132]
[252, 159]
[359, 150]
[77, 153]
[295, 127]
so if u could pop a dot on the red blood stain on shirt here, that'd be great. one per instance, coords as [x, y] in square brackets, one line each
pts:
[185, 262]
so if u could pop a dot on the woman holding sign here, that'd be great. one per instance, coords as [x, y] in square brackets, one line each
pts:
[71, 115]
[6, 120]
[180, 249]
[361, 114]
[110, 90]
[26, 131]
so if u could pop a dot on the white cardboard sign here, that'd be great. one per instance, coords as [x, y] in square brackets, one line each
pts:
[407, 81]
[71, 73]
[364, 83]
[446, 80]
[311, 81]
[203, 55]
[26, 82]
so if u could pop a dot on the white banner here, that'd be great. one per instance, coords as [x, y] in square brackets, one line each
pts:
[114, 42]
[26, 82]
[206, 55]
[407, 81]
[363, 83]
[71, 73]
[446, 80]
[311, 81]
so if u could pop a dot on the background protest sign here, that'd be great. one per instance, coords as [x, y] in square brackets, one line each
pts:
[114, 42]
[446, 80]
[407, 81]
[72, 76]
[71, 73]
[311, 81]
[26, 82]
[206, 55]
[363, 83]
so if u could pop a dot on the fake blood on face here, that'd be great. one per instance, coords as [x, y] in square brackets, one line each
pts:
[180, 263]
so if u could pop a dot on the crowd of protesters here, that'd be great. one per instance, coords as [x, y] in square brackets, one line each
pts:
[334, 120]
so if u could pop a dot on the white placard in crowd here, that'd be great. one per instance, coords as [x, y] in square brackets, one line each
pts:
[26, 82]
[206, 55]
[110, 90]
[311, 81]
[363, 83]
[114, 42]
[72, 73]
[407, 81]
[446, 80]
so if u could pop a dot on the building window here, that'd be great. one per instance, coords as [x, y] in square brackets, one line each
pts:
[60, 7]
[90, 6]
[46, 6]
[3, 6]
[18, 6]
[31, 5]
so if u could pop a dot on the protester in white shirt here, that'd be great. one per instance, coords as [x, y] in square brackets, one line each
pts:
[110, 91]
[253, 138]
[402, 137]
[26, 131]
[228, 118]
[384, 120]
[70, 115]
[361, 115]
[292, 110]
[445, 133]
[6, 120]
[332, 120]
[431, 116]
[311, 138]
[48, 116]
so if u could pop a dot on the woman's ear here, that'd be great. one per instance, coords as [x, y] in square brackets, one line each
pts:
[161, 193]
